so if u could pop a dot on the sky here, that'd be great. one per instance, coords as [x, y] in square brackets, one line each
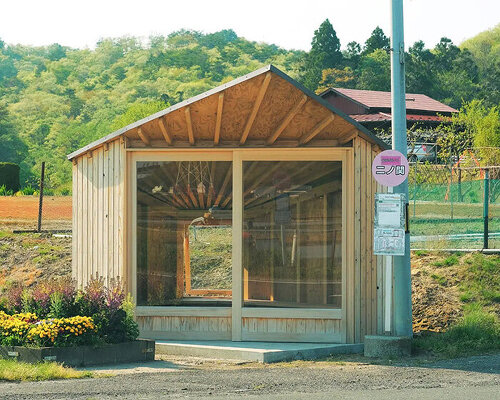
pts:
[289, 24]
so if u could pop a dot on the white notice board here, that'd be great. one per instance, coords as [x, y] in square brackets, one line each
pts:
[389, 224]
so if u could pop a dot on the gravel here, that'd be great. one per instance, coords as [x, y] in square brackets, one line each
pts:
[297, 379]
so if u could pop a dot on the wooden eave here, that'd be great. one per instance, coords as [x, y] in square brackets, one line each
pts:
[262, 109]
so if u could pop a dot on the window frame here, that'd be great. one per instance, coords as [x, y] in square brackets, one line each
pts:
[237, 156]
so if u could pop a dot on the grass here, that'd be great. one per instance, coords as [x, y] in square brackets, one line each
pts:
[440, 279]
[447, 262]
[482, 280]
[11, 370]
[211, 257]
[477, 332]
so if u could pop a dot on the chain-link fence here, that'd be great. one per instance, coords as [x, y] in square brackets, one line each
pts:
[449, 204]
[26, 210]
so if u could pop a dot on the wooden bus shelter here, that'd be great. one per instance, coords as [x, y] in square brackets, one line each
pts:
[244, 213]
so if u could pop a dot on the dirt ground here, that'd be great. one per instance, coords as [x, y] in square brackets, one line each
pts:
[21, 212]
[32, 257]
[346, 377]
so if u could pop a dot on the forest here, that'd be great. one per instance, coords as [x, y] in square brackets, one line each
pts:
[55, 99]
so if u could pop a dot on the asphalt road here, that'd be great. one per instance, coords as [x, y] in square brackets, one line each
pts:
[470, 378]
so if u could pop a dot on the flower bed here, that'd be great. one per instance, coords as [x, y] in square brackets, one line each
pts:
[27, 329]
[53, 320]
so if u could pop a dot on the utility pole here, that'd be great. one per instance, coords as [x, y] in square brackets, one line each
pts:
[402, 271]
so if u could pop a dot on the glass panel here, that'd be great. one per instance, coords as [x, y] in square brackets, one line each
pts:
[184, 234]
[292, 233]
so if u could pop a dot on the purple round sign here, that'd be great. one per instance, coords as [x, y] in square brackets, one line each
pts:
[390, 168]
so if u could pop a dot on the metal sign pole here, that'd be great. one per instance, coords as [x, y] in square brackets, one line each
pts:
[402, 272]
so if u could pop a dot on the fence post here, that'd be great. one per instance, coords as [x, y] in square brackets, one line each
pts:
[40, 201]
[451, 190]
[415, 187]
[486, 206]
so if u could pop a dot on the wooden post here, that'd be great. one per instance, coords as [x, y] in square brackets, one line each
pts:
[187, 260]
[40, 201]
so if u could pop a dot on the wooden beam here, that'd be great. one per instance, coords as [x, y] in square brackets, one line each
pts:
[348, 136]
[256, 106]
[218, 120]
[191, 196]
[143, 137]
[209, 292]
[223, 187]
[201, 199]
[189, 124]
[164, 132]
[317, 129]
[287, 120]
[183, 196]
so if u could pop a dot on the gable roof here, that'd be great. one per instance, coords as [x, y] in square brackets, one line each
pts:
[378, 99]
[288, 109]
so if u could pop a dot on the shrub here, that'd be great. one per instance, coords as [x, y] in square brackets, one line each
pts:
[28, 190]
[5, 192]
[9, 176]
[58, 300]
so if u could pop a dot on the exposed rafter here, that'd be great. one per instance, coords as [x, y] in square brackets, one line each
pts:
[218, 120]
[223, 187]
[287, 120]
[143, 137]
[189, 124]
[351, 134]
[164, 132]
[317, 129]
[256, 106]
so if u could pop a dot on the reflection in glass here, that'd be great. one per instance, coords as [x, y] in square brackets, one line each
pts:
[292, 232]
[184, 232]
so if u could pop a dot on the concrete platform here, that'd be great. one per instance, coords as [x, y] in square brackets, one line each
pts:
[264, 352]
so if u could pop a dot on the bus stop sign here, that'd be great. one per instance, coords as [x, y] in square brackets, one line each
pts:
[390, 168]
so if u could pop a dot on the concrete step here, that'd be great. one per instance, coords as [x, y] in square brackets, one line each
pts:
[264, 352]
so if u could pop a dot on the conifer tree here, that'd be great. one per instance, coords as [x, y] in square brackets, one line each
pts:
[325, 53]
[376, 41]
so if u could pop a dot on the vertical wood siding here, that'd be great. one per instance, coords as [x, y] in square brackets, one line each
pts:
[292, 329]
[368, 287]
[98, 203]
[185, 327]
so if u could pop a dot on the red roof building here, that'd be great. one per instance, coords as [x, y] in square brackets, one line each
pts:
[373, 108]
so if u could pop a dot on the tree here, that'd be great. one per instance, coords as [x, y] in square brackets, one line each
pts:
[474, 125]
[376, 41]
[419, 75]
[352, 55]
[325, 53]
[375, 71]
[445, 53]
[333, 77]
[12, 148]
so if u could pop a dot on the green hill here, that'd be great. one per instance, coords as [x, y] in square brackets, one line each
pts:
[55, 99]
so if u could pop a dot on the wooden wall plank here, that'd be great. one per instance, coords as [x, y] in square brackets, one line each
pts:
[100, 191]
[368, 229]
[74, 219]
[364, 277]
[78, 274]
[116, 206]
[122, 210]
[357, 237]
[106, 211]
